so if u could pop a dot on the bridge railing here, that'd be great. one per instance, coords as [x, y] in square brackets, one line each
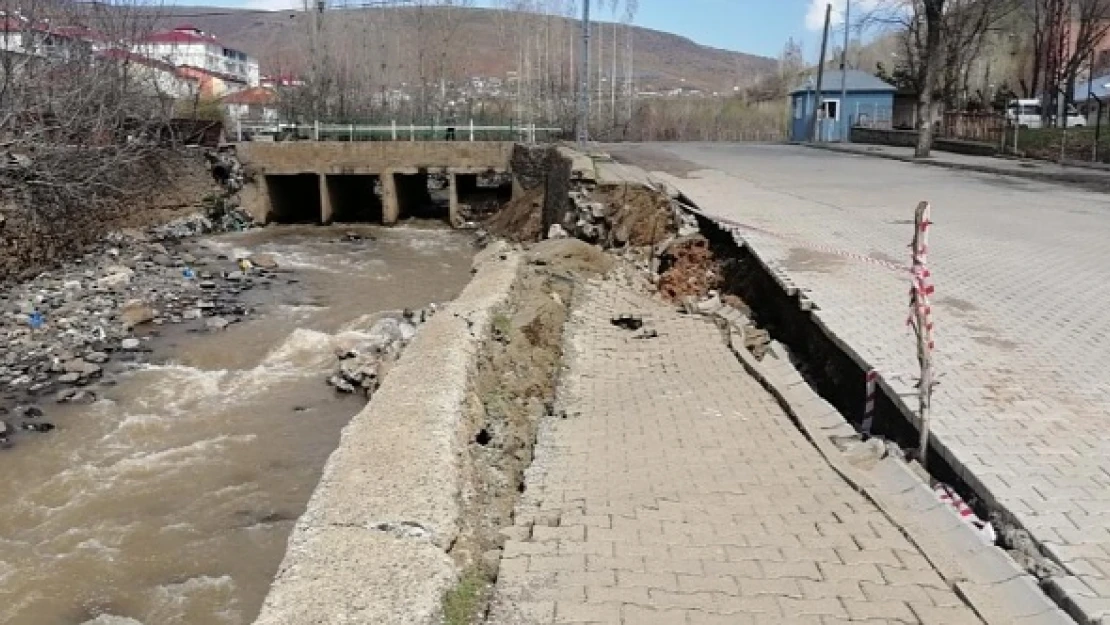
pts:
[244, 130]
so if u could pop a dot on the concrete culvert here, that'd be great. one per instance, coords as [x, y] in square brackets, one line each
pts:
[294, 199]
[354, 198]
[414, 200]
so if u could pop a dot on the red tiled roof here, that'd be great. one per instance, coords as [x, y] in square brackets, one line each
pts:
[183, 34]
[254, 95]
[16, 23]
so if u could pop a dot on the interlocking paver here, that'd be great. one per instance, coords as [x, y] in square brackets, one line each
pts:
[716, 508]
[1023, 328]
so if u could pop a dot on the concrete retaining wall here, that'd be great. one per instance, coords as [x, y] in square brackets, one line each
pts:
[372, 545]
[908, 138]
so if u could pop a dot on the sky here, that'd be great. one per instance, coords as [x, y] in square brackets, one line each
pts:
[753, 26]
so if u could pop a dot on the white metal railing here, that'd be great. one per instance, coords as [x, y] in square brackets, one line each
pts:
[319, 131]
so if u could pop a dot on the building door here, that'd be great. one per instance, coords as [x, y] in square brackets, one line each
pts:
[830, 120]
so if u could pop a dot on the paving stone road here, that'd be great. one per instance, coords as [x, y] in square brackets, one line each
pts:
[1022, 312]
[676, 491]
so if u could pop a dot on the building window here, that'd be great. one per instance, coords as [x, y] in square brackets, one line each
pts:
[830, 109]
[799, 108]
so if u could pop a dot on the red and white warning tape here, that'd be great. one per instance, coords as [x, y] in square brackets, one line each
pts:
[921, 279]
[869, 401]
[949, 496]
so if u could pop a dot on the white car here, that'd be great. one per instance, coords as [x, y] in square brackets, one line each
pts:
[1027, 114]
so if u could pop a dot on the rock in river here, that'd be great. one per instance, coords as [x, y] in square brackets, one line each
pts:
[135, 312]
[80, 367]
[264, 261]
[217, 323]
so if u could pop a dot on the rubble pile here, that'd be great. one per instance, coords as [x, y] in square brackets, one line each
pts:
[521, 219]
[617, 216]
[364, 357]
[687, 268]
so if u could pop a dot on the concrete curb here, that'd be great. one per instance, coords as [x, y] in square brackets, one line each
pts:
[1090, 181]
[372, 546]
[999, 590]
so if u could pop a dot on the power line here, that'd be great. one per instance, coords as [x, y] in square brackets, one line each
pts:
[345, 5]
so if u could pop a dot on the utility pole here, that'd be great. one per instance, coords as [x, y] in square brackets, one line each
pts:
[815, 126]
[583, 131]
[631, 72]
[840, 112]
[314, 13]
[613, 76]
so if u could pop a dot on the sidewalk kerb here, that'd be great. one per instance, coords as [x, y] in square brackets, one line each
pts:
[955, 551]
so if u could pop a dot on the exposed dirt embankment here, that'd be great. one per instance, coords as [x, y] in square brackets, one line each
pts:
[40, 227]
[512, 389]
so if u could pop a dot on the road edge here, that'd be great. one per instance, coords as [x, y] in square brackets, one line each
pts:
[1090, 182]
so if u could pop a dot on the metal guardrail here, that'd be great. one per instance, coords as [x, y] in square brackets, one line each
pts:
[319, 131]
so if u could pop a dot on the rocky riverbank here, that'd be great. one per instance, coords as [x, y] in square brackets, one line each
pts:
[68, 331]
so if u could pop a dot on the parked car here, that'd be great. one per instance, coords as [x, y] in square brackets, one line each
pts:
[1028, 114]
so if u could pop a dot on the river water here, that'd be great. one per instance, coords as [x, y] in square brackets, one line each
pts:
[170, 500]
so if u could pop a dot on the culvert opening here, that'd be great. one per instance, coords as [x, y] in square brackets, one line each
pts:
[482, 195]
[355, 198]
[420, 196]
[294, 199]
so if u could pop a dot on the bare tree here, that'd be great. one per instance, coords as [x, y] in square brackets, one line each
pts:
[941, 40]
[1063, 37]
[82, 123]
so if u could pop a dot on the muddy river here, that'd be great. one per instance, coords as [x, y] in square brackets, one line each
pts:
[170, 500]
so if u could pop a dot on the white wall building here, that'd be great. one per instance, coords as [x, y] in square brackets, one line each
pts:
[188, 46]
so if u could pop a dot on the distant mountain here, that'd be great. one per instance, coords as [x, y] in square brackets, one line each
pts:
[475, 42]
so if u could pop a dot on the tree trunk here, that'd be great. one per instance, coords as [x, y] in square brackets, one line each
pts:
[931, 57]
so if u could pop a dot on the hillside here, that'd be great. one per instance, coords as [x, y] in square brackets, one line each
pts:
[471, 42]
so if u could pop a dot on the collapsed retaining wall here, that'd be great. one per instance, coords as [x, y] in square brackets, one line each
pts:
[372, 545]
[564, 167]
